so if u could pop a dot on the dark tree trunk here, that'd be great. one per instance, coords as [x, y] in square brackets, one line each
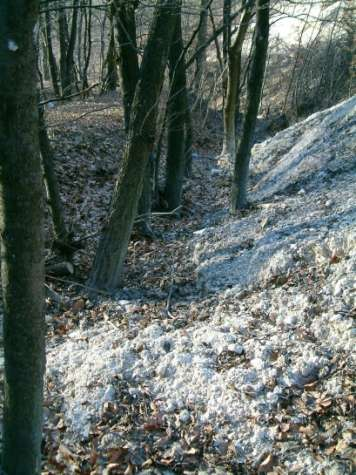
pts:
[129, 75]
[111, 79]
[54, 198]
[201, 52]
[63, 46]
[87, 45]
[177, 106]
[110, 257]
[231, 103]
[128, 58]
[226, 42]
[22, 246]
[67, 45]
[254, 87]
[51, 57]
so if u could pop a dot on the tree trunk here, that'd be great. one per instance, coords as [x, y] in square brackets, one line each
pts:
[202, 37]
[44, 49]
[111, 78]
[109, 260]
[188, 152]
[67, 45]
[254, 87]
[51, 57]
[63, 46]
[177, 106]
[226, 43]
[54, 198]
[87, 45]
[129, 76]
[69, 76]
[143, 221]
[233, 85]
[22, 247]
[128, 58]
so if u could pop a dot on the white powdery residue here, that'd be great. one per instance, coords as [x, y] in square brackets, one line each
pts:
[12, 46]
[291, 266]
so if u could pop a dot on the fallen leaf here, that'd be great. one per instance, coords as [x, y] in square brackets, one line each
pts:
[267, 464]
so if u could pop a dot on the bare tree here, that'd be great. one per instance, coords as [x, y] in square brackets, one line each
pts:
[254, 88]
[110, 257]
[231, 103]
[177, 117]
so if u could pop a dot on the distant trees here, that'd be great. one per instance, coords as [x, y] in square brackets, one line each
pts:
[22, 244]
[237, 78]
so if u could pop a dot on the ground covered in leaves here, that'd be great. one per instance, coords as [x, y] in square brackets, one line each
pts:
[229, 347]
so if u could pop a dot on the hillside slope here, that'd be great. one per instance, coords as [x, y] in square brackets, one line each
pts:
[260, 373]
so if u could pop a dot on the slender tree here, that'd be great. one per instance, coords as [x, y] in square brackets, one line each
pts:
[226, 42]
[129, 76]
[231, 103]
[51, 57]
[87, 44]
[110, 257]
[111, 61]
[177, 106]
[22, 248]
[201, 40]
[67, 45]
[128, 58]
[254, 87]
[54, 198]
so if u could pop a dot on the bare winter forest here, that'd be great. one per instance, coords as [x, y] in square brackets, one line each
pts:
[178, 237]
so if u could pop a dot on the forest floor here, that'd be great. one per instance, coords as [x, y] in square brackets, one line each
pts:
[229, 347]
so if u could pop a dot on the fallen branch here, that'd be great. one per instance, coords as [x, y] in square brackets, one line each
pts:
[91, 289]
[60, 99]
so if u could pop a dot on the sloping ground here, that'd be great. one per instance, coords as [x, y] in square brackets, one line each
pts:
[259, 375]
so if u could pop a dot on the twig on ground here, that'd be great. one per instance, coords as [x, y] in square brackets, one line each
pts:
[91, 289]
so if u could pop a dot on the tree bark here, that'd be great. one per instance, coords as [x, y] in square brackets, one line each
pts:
[111, 78]
[226, 43]
[233, 84]
[177, 106]
[44, 49]
[128, 58]
[51, 57]
[87, 45]
[63, 46]
[254, 87]
[67, 45]
[188, 144]
[22, 247]
[129, 76]
[109, 260]
[54, 198]
[201, 52]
